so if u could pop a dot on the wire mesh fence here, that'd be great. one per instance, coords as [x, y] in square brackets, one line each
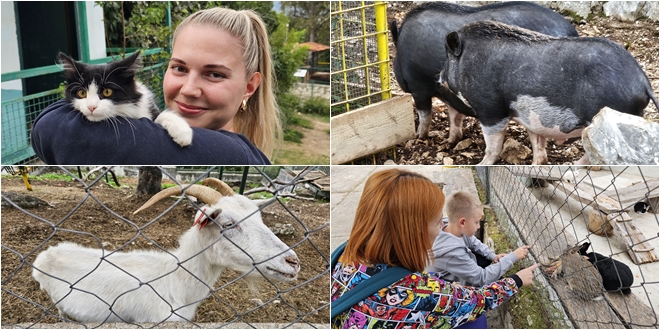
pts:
[158, 265]
[359, 55]
[17, 118]
[614, 209]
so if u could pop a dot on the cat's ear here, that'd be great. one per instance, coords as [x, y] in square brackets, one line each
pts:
[131, 62]
[67, 62]
[72, 69]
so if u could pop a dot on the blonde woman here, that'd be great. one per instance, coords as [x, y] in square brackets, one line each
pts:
[219, 79]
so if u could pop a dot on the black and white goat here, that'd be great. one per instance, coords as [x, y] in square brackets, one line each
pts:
[93, 285]
[616, 275]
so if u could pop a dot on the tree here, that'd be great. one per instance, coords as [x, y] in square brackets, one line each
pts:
[288, 56]
[143, 24]
[311, 16]
[149, 181]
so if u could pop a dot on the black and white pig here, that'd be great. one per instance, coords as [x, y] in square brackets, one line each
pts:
[421, 55]
[551, 85]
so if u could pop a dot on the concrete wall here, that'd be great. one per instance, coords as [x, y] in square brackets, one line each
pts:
[308, 90]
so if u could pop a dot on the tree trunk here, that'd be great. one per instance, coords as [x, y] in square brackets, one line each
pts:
[149, 181]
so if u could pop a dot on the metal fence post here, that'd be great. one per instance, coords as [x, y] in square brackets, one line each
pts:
[83, 34]
[383, 50]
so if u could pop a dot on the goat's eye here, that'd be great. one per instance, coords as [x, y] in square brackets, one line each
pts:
[228, 225]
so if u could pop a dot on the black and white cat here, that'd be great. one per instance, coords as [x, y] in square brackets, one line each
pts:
[107, 91]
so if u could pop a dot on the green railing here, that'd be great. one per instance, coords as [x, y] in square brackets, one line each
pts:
[19, 111]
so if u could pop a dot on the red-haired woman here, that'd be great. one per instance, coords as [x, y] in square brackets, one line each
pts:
[397, 220]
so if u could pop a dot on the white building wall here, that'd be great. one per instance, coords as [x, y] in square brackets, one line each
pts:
[96, 30]
[10, 59]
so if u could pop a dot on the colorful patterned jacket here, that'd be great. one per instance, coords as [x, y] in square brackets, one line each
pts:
[419, 300]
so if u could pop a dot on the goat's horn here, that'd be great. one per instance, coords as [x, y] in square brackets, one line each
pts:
[222, 187]
[205, 194]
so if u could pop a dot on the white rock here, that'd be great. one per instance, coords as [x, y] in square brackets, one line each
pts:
[582, 8]
[631, 10]
[616, 138]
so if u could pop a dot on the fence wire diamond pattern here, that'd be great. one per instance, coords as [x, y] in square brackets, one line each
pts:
[97, 215]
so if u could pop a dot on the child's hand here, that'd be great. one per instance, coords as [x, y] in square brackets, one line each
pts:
[497, 257]
[527, 274]
[521, 252]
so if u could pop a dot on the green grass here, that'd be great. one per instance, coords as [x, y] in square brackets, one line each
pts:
[52, 176]
[293, 135]
[323, 118]
[261, 195]
[298, 157]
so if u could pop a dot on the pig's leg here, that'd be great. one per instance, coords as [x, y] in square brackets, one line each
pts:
[455, 126]
[425, 113]
[538, 148]
[494, 136]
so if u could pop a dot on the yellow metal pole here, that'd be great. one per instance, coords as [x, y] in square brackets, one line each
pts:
[383, 51]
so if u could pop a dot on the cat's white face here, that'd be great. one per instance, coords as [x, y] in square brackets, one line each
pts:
[107, 91]
[96, 104]
[92, 106]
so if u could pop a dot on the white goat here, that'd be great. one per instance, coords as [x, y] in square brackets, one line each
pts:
[92, 285]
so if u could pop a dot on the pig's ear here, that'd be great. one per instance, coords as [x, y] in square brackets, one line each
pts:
[454, 43]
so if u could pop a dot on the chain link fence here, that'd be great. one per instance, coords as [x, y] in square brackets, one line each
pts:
[96, 213]
[359, 61]
[615, 209]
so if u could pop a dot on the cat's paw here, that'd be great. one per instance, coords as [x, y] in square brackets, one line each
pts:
[176, 127]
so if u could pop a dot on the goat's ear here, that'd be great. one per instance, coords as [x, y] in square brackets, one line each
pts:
[201, 218]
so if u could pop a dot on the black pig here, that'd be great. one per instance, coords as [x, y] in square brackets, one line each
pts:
[551, 85]
[421, 55]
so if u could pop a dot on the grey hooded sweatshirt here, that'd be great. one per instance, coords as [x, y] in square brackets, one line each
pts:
[455, 260]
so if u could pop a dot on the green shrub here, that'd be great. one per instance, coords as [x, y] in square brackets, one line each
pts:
[316, 105]
[293, 136]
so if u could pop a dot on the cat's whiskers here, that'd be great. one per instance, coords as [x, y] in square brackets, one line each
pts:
[74, 84]
[133, 128]
[115, 84]
[115, 125]
[80, 78]
[111, 72]
[101, 82]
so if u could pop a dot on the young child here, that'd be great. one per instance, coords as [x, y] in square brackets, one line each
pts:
[456, 250]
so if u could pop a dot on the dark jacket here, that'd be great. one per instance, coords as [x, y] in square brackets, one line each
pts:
[62, 136]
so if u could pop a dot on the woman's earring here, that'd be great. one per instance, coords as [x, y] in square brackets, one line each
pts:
[244, 106]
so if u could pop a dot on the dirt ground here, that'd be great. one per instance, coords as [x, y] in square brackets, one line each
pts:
[314, 149]
[99, 216]
[640, 38]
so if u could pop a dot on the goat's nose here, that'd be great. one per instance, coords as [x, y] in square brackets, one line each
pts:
[293, 262]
